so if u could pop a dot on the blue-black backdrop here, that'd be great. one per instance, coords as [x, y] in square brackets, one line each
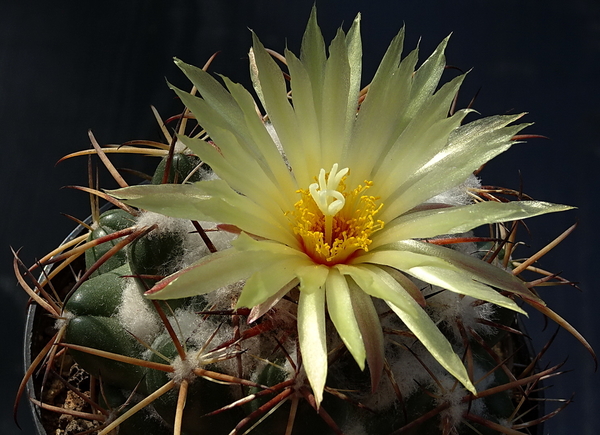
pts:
[68, 67]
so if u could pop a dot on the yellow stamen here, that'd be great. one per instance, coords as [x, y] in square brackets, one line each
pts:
[333, 224]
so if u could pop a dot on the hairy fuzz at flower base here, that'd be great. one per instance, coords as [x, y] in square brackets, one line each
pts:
[328, 195]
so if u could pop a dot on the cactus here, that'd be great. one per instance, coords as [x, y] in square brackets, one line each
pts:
[186, 319]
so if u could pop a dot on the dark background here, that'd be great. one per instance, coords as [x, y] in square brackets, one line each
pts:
[68, 67]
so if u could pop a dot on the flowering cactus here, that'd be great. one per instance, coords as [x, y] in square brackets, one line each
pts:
[335, 230]
[355, 233]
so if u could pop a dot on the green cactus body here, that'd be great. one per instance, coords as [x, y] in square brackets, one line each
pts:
[92, 306]
[100, 295]
[107, 334]
[109, 222]
[182, 165]
[155, 255]
[499, 406]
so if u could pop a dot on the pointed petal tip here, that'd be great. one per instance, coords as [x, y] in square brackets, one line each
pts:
[318, 399]
[154, 292]
[180, 64]
[471, 388]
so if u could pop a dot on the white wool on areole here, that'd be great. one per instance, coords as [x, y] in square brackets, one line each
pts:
[451, 309]
[183, 369]
[187, 324]
[193, 247]
[453, 393]
[164, 224]
[135, 313]
[63, 320]
[180, 148]
[458, 195]
[224, 298]
[207, 332]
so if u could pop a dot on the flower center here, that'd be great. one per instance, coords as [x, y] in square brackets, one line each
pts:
[331, 223]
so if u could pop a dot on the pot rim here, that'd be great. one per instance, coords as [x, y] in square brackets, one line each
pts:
[29, 322]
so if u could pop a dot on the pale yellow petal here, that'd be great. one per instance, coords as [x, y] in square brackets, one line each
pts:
[420, 324]
[435, 342]
[235, 157]
[312, 277]
[458, 283]
[469, 147]
[246, 243]
[259, 310]
[423, 138]
[334, 123]
[380, 119]
[313, 339]
[305, 153]
[438, 272]
[427, 77]
[261, 142]
[276, 273]
[313, 56]
[370, 329]
[211, 201]
[278, 107]
[467, 265]
[354, 54]
[453, 220]
[373, 281]
[339, 307]
[210, 273]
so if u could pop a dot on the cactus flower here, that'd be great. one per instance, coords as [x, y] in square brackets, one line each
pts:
[327, 192]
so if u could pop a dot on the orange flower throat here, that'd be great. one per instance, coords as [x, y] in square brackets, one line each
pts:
[333, 224]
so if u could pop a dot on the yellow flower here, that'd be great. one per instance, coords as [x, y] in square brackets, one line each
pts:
[327, 194]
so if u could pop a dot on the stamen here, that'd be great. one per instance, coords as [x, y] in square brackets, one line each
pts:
[333, 223]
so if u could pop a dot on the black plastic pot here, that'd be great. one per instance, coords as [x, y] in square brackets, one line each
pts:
[39, 325]
[29, 330]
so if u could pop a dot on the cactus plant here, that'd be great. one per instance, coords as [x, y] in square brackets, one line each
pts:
[322, 275]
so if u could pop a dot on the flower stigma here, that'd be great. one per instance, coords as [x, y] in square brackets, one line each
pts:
[332, 223]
